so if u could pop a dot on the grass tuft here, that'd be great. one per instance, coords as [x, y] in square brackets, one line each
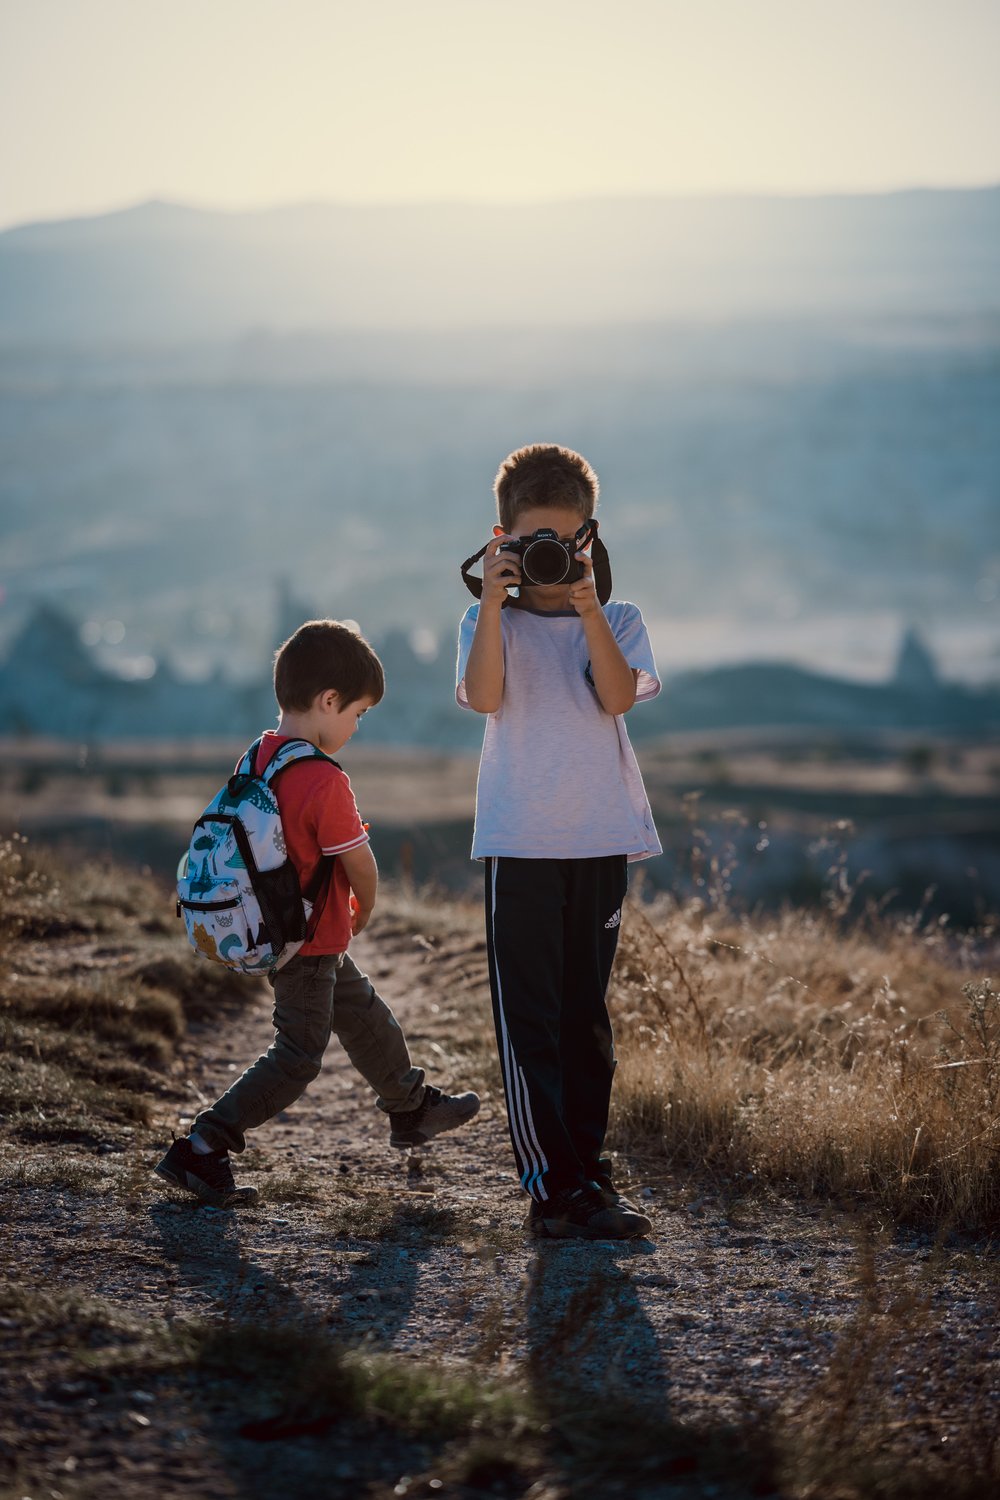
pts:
[841, 1062]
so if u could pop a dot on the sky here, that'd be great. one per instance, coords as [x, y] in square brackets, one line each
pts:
[246, 103]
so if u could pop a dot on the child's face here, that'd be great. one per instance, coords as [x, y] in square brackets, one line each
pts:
[336, 722]
[565, 524]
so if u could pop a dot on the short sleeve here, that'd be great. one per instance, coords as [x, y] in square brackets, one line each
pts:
[466, 631]
[334, 813]
[633, 642]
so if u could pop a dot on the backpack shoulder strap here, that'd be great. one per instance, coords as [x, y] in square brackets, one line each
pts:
[249, 761]
[289, 754]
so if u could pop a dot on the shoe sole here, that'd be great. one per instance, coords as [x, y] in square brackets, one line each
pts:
[562, 1229]
[419, 1138]
[209, 1195]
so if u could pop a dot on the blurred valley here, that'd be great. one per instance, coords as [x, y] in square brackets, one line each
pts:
[791, 404]
[213, 426]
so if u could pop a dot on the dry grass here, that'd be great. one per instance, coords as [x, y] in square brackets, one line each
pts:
[851, 1056]
[861, 1062]
[856, 1057]
[841, 1059]
[93, 999]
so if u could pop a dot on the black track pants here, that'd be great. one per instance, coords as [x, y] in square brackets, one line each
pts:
[551, 932]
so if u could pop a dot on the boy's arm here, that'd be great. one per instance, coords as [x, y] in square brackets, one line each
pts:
[484, 668]
[614, 680]
[361, 870]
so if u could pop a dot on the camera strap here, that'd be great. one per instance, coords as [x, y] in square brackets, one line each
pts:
[599, 554]
[475, 585]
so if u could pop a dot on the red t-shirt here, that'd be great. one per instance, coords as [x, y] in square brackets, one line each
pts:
[319, 816]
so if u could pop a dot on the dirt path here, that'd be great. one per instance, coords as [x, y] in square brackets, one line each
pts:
[735, 1306]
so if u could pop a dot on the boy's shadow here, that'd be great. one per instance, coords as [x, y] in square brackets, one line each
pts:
[588, 1336]
[598, 1374]
[231, 1290]
[240, 1285]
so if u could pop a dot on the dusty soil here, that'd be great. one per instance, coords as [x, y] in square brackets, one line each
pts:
[739, 1308]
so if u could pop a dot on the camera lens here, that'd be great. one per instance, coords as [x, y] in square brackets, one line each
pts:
[545, 562]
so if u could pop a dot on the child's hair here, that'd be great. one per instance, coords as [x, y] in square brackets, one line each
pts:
[325, 655]
[544, 474]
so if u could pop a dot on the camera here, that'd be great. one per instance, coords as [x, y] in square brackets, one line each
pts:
[544, 558]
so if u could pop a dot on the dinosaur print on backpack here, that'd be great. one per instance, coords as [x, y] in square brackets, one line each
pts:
[237, 890]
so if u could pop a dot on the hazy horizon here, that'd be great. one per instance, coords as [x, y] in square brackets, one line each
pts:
[449, 101]
[332, 262]
[554, 200]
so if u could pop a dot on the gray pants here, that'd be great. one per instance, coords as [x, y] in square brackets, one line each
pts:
[312, 997]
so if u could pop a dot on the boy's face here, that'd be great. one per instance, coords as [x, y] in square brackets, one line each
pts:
[336, 722]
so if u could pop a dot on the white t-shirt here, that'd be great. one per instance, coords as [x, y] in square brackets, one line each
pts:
[558, 777]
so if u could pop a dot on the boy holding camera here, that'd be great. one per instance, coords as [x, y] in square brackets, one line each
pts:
[326, 677]
[560, 812]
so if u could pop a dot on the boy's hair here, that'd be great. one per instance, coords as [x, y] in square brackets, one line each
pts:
[322, 655]
[544, 474]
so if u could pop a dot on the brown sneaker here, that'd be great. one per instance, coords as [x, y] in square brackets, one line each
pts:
[435, 1114]
[584, 1214]
[208, 1175]
[601, 1178]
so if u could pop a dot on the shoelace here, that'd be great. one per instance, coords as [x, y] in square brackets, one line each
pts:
[588, 1199]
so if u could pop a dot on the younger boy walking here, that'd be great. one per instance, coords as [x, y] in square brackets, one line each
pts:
[325, 678]
[560, 811]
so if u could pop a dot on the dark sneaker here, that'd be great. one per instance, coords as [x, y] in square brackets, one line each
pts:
[583, 1213]
[601, 1178]
[209, 1177]
[435, 1113]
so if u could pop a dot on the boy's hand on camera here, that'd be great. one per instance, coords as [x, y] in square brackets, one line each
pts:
[583, 593]
[501, 570]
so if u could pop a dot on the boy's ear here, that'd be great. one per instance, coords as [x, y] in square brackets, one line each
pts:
[328, 700]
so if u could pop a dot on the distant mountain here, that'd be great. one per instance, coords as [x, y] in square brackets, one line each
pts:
[167, 272]
[51, 685]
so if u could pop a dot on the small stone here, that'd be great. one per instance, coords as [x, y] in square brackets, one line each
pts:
[280, 1221]
[138, 1418]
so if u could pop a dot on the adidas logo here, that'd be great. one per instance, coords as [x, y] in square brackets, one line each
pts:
[614, 921]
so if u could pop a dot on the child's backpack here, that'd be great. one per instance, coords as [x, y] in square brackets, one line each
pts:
[237, 890]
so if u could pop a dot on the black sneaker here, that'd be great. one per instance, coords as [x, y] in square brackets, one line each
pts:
[612, 1198]
[435, 1113]
[208, 1175]
[584, 1214]
[601, 1178]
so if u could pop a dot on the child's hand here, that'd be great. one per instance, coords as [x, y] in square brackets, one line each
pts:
[583, 593]
[501, 570]
[359, 917]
